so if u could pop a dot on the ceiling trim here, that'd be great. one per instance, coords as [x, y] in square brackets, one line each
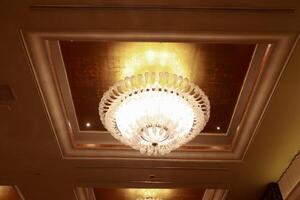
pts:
[84, 193]
[289, 182]
[87, 193]
[38, 46]
[295, 193]
[103, 138]
[215, 194]
[194, 8]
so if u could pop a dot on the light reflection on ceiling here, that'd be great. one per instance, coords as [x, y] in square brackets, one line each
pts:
[140, 57]
[149, 193]
[93, 66]
[8, 193]
[137, 194]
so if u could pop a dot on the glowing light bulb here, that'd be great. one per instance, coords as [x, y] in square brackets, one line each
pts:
[150, 56]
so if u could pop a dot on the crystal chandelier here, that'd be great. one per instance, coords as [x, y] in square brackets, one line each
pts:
[149, 195]
[154, 113]
[149, 198]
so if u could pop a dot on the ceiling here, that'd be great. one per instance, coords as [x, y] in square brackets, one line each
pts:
[92, 67]
[133, 193]
[31, 153]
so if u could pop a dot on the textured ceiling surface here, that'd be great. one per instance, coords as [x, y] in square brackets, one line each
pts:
[29, 152]
[92, 67]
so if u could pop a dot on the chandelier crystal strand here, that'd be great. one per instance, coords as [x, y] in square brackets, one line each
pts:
[154, 113]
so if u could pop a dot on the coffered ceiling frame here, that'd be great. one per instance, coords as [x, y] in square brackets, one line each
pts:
[104, 140]
[273, 50]
[204, 138]
[87, 193]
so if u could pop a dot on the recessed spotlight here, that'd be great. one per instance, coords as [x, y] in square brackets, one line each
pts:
[218, 128]
[88, 124]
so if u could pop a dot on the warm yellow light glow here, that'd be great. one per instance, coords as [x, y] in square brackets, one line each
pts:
[154, 106]
[7, 192]
[154, 113]
[142, 193]
[90, 145]
[140, 57]
[150, 55]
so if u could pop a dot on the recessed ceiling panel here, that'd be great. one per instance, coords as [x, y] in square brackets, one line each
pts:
[234, 70]
[145, 194]
[92, 67]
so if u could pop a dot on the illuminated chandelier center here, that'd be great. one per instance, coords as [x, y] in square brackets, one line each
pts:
[154, 113]
[154, 134]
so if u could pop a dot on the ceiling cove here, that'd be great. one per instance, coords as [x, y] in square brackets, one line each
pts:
[238, 71]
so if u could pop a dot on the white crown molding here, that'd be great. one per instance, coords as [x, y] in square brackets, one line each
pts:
[83, 193]
[39, 47]
[215, 194]
[289, 182]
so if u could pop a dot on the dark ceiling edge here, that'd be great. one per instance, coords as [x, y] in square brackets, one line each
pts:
[168, 168]
[6, 93]
[88, 183]
[287, 10]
